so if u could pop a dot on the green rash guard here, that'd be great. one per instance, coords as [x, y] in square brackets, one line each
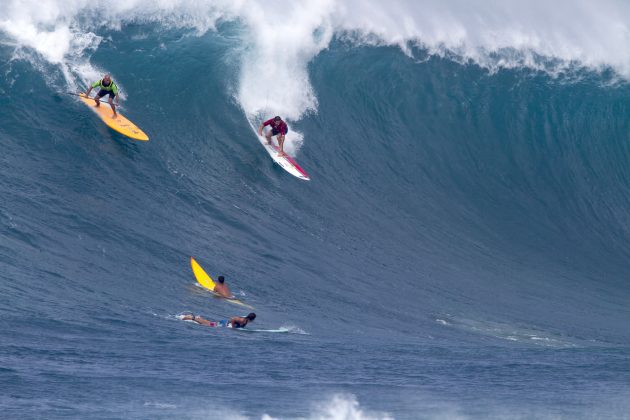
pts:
[112, 86]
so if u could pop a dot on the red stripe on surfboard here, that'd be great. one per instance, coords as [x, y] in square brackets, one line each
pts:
[292, 162]
[298, 167]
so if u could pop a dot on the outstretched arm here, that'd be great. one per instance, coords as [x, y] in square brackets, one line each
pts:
[92, 86]
[260, 129]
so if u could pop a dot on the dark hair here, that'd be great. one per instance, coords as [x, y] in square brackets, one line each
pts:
[221, 279]
[251, 316]
[277, 118]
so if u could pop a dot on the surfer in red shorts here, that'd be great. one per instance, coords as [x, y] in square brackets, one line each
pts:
[278, 128]
[234, 322]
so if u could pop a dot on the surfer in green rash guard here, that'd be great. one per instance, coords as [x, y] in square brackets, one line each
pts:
[234, 322]
[107, 87]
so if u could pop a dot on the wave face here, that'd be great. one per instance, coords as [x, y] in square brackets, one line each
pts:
[461, 251]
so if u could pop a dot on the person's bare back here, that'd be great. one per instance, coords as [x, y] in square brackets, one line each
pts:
[222, 289]
[241, 321]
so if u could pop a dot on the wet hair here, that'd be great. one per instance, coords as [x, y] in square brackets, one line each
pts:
[221, 279]
[251, 316]
[277, 118]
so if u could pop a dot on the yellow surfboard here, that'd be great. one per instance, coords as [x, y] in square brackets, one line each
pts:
[206, 281]
[119, 124]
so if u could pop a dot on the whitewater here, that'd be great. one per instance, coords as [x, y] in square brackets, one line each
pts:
[461, 250]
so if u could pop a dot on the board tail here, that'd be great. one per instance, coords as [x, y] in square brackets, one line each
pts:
[202, 277]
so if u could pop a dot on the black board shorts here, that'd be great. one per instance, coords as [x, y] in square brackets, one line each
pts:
[275, 132]
[104, 92]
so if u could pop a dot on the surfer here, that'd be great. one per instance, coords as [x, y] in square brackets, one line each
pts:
[107, 87]
[234, 322]
[278, 128]
[222, 289]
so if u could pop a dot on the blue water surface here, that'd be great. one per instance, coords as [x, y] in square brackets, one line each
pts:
[462, 250]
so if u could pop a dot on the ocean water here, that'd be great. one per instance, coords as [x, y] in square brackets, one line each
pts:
[461, 252]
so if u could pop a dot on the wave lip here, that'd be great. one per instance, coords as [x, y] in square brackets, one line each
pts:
[281, 38]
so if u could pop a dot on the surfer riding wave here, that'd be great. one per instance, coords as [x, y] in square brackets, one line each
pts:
[278, 128]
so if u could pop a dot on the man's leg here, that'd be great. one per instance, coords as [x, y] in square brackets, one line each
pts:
[199, 320]
[281, 144]
[111, 103]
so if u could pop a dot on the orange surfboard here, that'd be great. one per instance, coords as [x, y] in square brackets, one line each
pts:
[118, 123]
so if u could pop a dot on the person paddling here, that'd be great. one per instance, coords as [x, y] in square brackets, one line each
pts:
[278, 128]
[234, 322]
[107, 87]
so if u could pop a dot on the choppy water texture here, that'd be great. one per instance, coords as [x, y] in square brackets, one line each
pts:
[461, 251]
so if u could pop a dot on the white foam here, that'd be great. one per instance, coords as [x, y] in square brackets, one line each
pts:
[293, 329]
[274, 75]
[340, 407]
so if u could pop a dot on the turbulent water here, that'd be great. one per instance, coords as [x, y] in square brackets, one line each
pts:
[462, 250]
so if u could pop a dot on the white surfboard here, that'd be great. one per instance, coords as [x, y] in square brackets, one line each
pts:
[286, 162]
